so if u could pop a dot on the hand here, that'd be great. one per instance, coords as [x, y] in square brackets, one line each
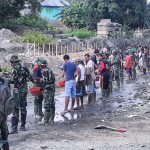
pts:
[41, 79]
[96, 71]
[63, 76]
[35, 81]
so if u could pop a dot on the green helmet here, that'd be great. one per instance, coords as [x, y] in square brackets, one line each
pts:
[43, 62]
[39, 60]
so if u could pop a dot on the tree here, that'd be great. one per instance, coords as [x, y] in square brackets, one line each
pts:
[11, 8]
[87, 13]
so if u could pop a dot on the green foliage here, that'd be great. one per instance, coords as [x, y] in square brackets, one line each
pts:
[51, 27]
[5, 70]
[11, 8]
[128, 31]
[37, 37]
[55, 29]
[31, 21]
[81, 33]
[147, 19]
[87, 13]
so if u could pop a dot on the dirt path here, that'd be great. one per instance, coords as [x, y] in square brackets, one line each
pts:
[127, 108]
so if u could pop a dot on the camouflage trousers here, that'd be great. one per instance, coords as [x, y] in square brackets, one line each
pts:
[3, 130]
[20, 97]
[115, 77]
[49, 106]
[38, 106]
[134, 71]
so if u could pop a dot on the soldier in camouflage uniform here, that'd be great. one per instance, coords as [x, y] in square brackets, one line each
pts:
[4, 132]
[20, 77]
[37, 76]
[3, 128]
[115, 67]
[49, 93]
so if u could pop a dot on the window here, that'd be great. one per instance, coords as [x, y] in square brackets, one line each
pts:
[49, 10]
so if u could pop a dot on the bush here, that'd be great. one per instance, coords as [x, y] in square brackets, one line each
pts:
[51, 27]
[36, 37]
[30, 21]
[81, 33]
[128, 32]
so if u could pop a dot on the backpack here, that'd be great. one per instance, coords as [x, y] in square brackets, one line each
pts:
[6, 100]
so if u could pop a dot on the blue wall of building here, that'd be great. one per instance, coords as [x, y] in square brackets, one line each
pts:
[50, 12]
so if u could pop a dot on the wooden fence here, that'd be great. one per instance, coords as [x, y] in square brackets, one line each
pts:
[60, 48]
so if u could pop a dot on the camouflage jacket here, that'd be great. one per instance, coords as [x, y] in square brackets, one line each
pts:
[114, 62]
[20, 76]
[49, 80]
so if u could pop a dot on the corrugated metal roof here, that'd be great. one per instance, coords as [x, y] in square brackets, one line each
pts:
[55, 3]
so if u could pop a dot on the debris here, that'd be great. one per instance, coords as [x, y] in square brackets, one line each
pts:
[131, 116]
[109, 128]
[54, 147]
[143, 146]
[43, 147]
[66, 140]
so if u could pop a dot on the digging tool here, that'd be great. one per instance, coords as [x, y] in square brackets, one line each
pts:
[109, 128]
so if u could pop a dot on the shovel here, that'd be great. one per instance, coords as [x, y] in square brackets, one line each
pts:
[109, 128]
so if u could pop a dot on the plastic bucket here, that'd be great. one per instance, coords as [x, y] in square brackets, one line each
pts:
[61, 83]
[35, 91]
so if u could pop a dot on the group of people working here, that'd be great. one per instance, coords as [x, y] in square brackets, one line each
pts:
[42, 77]
[80, 81]
[107, 67]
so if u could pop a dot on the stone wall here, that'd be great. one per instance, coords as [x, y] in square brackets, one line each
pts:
[106, 28]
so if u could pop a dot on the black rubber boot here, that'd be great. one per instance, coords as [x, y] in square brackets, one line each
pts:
[23, 122]
[22, 128]
[5, 146]
[14, 122]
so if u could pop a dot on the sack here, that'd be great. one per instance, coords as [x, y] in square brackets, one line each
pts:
[6, 100]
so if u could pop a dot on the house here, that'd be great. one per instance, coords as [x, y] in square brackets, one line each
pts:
[50, 8]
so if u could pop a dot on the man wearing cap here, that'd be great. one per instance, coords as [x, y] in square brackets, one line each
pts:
[37, 76]
[20, 77]
[115, 66]
[48, 79]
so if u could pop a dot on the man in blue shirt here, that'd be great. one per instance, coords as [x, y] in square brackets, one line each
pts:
[70, 85]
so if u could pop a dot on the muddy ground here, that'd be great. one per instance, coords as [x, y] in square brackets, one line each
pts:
[127, 108]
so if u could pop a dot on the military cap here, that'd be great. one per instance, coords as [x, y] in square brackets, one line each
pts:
[43, 62]
[14, 58]
[78, 60]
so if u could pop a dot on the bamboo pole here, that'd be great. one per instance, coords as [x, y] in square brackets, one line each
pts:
[56, 49]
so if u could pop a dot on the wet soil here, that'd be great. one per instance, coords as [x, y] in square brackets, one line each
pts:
[127, 108]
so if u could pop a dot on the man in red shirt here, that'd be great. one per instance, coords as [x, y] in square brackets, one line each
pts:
[105, 75]
[128, 65]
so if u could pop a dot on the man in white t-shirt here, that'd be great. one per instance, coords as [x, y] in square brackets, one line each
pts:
[90, 79]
